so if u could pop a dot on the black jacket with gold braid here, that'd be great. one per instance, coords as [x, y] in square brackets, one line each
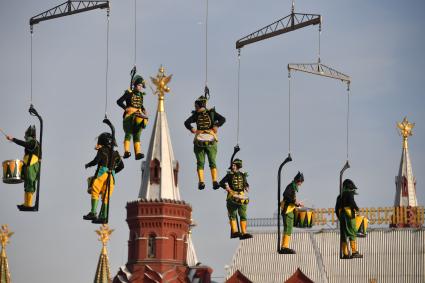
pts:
[205, 120]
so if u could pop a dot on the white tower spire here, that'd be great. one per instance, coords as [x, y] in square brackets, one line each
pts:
[405, 181]
[160, 170]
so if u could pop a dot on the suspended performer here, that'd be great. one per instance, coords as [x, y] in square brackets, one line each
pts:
[31, 167]
[205, 142]
[99, 182]
[135, 117]
[346, 210]
[288, 205]
[236, 184]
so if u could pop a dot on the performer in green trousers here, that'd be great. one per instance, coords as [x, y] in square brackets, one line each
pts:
[288, 205]
[31, 166]
[236, 184]
[98, 184]
[205, 142]
[134, 118]
[346, 210]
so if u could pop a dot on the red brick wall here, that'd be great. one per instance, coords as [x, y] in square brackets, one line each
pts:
[168, 222]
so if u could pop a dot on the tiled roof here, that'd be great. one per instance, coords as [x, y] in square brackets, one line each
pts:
[103, 273]
[4, 268]
[390, 256]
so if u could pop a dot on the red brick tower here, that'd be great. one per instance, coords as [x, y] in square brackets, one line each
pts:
[160, 247]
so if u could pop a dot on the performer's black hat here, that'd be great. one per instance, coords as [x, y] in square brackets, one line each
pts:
[30, 132]
[238, 163]
[201, 101]
[348, 184]
[299, 177]
[138, 80]
[106, 139]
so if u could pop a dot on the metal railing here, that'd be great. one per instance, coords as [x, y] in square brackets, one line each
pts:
[393, 216]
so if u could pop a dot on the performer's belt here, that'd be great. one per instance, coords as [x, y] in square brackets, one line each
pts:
[136, 112]
[205, 138]
[204, 143]
[348, 211]
[289, 208]
[34, 160]
[238, 198]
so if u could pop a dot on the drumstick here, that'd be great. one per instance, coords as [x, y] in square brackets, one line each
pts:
[3, 132]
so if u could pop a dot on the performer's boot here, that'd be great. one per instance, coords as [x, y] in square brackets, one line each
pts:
[92, 214]
[285, 245]
[234, 230]
[216, 186]
[28, 199]
[344, 247]
[201, 184]
[354, 252]
[244, 234]
[102, 219]
[127, 153]
[26, 206]
[137, 151]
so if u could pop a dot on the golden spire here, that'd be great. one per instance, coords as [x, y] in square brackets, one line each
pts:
[5, 234]
[161, 82]
[103, 272]
[405, 129]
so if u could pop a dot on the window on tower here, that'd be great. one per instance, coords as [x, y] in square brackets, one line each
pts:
[151, 246]
[155, 169]
[174, 243]
[176, 173]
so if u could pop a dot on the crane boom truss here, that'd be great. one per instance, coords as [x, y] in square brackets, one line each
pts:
[69, 8]
[289, 23]
[320, 70]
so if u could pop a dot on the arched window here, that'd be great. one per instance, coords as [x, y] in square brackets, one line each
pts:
[151, 246]
[155, 170]
[176, 173]
[174, 245]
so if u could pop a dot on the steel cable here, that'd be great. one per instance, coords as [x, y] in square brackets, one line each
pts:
[107, 63]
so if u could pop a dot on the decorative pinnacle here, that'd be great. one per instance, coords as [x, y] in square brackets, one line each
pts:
[406, 130]
[161, 81]
[5, 234]
[104, 232]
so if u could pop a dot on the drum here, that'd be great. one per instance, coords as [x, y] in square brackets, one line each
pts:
[12, 171]
[205, 137]
[90, 181]
[240, 199]
[303, 218]
[361, 226]
[140, 114]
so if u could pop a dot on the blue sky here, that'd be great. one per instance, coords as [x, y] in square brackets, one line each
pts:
[379, 44]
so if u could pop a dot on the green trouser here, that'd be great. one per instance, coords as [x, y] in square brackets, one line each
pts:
[31, 175]
[288, 223]
[348, 226]
[133, 127]
[209, 150]
[103, 211]
[94, 203]
[234, 209]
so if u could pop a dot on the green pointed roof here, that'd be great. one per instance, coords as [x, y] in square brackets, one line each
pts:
[5, 234]
[103, 272]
